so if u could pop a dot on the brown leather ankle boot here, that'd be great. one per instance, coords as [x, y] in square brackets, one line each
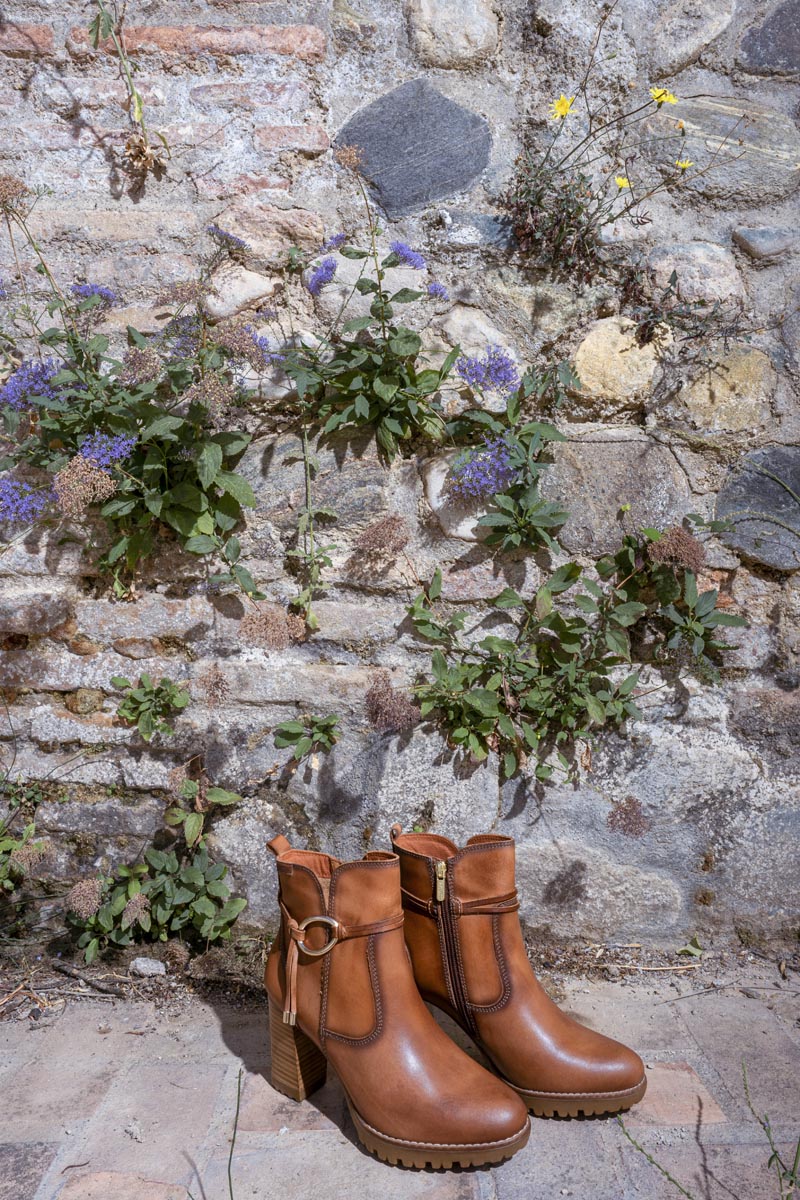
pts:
[341, 990]
[469, 958]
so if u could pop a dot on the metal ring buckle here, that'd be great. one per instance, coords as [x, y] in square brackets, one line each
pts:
[331, 923]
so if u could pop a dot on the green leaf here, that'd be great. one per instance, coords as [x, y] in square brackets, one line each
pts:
[209, 461]
[218, 795]
[692, 948]
[193, 827]
[201, 543]
[385, 387]
[628, 613]
[690, 589]
[508, 598]
[357, 324]
[204, 906]
[236, 486]
[405, 344]
[352, 252]
[405, 296]
[435, 588]
[162, 427]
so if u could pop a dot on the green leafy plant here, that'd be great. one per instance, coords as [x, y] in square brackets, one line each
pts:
[194, 801]
[20, 851]
[148, 704]
[155, 900]
[561, 671]
[310, 735]
[135, 440]
[571, 185]
[511, 458]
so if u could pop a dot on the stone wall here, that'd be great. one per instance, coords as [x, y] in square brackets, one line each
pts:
[689, 819]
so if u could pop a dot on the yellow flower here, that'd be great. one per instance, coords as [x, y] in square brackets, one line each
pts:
[662, 96]
[560, 107]
[684, 163]
[622, 181]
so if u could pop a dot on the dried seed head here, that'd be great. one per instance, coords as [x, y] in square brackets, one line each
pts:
[81, 483]
[214, 686]
[26, 858]
[349, 157]
[134, 910]
[678, 548]
[215, 393]
[389, 535]
[13, 194]
[141, 366]
[141, 157]
[84, 898]
[388, 710]
[272, 627]
[187, 291]
[627, 816]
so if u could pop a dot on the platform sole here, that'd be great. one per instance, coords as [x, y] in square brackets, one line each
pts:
[581, 1104]
[399, 1152]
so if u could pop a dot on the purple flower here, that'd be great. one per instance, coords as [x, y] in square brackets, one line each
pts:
[483, 471]
[261, 342]
[227, 240]
[495, 372]
[321, 275]
[407, 255]
[184, 335]
[20, 503]
[333, 243]
[437, 291]
[104, 449]
[86, 291]
[29, 380]
[3, 291]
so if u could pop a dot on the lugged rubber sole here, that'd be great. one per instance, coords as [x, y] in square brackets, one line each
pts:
[583, 1104]
[396, 1151]
[299, 1068]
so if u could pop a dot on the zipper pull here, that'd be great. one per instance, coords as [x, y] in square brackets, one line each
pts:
[441, 875]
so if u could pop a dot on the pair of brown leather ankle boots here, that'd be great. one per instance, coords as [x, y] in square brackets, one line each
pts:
[362, 946]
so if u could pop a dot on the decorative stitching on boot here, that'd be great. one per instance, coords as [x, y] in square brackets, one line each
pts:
[376, 995]
[504, 973]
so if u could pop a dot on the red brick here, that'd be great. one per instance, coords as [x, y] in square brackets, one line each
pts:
[305, 42]
[251, 95]
[676, 1095]
[240, 185]
[26, 41]
[308, 139]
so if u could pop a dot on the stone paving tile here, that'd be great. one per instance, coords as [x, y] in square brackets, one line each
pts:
[110, 1185]
[153, 1121]
[708, 1172]
[22, 1165]
[264, 1110]
[313, 1165]
[728, 1029]
[675, 1095]
[561, 1159]
[630, 1016]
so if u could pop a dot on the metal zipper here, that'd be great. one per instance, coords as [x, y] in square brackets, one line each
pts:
[444, 913]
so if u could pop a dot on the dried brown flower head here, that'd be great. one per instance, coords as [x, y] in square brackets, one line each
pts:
[136, 908]
[81, 483]
[26, 858]
[85, 898]
[678, 548]
[239, 338]
[214, 686]
[141, 157]
[389, 710]
[176, 956]
[349, 157]
[388, 535]
[272, 627]
[187, 291]
[142, 364]
[215, 393]
[13, 194]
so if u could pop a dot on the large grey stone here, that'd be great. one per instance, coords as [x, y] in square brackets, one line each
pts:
[679, 35]
[706, 272]
[761, 499]
[35, 613]
[773, 46]
[601, 469]
[418, 146]
[755, 148]
[765, 242]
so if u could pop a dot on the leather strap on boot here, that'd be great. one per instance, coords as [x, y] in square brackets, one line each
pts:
[337, 933]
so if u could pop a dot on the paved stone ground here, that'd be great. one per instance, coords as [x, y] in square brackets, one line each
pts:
[136, 1101]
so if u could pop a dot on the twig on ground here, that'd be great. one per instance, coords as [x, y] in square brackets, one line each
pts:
[74, 973]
